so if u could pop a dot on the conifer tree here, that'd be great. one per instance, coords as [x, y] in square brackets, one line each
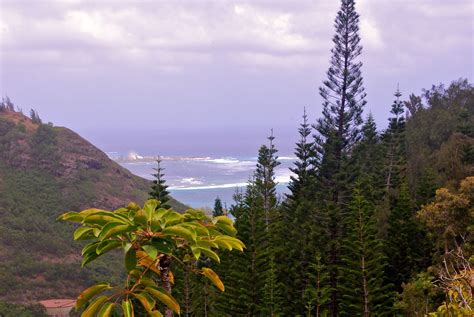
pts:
[272, 294]
[301, 226]
[253, 285]
[265, 177]
[368, 162]
[318, 291]
[394, 139]
[159, 187]
[305, 167]
[362, 289]
[271, 247]
[235, 270]
[338, 130]
[218, 210]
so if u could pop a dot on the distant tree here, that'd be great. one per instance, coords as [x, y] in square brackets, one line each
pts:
[301, 227]
[413, 104]
[35, 117]
[305, 166]
[338, 130]
[394, 139]
[218, 210]
[265, 184]
[159, 188]
[7, 104]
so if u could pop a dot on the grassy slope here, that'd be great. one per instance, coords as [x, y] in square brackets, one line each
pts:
[45, 171]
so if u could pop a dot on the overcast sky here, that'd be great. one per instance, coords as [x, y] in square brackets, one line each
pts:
[197, 77]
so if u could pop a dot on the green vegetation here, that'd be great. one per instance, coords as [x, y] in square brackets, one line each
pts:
[16, 310]
[45, 170]
[159, 188]
[375, 222]
[152, 238]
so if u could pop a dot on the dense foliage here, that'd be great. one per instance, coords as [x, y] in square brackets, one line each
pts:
[152, 238]
[375, 222]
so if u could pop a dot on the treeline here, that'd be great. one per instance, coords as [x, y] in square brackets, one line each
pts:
[363, 230]
[6, 105]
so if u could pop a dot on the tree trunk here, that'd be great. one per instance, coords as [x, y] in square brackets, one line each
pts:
[165, 264]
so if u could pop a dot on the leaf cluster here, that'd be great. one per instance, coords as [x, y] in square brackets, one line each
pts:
[148, 235]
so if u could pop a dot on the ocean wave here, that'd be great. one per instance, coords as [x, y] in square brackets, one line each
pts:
[191, 181]
[208, 186]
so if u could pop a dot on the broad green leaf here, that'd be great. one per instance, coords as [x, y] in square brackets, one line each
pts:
[180, 231]
[228, 229]
[94, 306]
[196, 252]
[233, 242]
[133, 206]
[106, 215]
[164, 297]
[130, 259]
[193, 214]
[207, 244]
[150, 207]
[173, 218]
[211, 254]
[223, 219]
[199, 228]
[114, 228]
[123, 211]
[127, 246]
[215, 279]
[146, 281]
[151, 251]
[156, 313]
[163, 245]
[90, 211]
[71, 216]
[106, 310]
[140, 218]
[83, 233]
[90, 292]
[156, 221]
[101, 219]
[90, 247]
[127, 308]
[107, 245]
[223, 244]
[161, 212]
[88, 257]
[146, 300]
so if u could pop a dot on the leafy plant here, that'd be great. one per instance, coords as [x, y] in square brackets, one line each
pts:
[151, 238]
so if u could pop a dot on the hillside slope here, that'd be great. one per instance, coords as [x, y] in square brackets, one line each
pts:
[45, 171]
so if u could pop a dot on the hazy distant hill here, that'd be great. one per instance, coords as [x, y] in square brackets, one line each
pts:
[45, 171]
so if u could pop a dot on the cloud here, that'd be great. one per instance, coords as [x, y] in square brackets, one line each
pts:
[173, 35]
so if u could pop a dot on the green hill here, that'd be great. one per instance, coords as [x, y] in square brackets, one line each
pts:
[45, 171]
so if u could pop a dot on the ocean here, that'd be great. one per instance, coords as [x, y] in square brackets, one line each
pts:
[197, 181]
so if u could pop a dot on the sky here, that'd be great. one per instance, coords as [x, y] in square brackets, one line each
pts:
[213, 77]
